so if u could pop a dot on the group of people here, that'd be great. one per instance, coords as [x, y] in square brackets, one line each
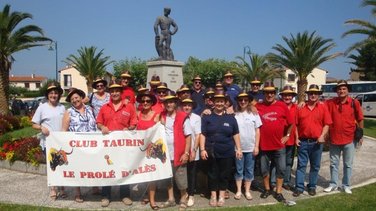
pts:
[228, 130]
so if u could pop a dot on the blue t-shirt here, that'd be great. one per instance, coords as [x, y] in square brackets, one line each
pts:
[233, 90]
[219, 131]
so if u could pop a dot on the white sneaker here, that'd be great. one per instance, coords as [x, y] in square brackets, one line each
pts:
[191, 201]
[347, 190]
[330, 189]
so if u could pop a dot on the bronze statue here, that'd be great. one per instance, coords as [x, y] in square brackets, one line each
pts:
[163, 40]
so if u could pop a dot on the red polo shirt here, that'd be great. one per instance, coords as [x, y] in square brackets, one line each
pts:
[291, 141]
[124, 117]
[275, 118]
[128, 93]
[311, 122]
[344, 119]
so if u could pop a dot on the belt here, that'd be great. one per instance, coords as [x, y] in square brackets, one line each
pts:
[308, 139]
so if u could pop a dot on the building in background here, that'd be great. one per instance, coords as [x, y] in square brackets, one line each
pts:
[317, 76]
[32, 82]
[70, 77]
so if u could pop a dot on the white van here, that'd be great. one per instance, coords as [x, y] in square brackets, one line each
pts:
[368, 102]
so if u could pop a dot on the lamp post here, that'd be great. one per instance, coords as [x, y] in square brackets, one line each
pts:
[54, 49]
[247, 50]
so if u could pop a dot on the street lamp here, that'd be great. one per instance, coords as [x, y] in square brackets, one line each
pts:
[51, 48]
[247, 50]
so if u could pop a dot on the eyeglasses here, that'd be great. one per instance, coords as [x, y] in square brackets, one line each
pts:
[99, 85]
[197, 82]
[229, 77]
[243, 100]
[145, 101]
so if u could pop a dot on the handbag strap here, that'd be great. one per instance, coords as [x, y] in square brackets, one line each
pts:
[355, 111]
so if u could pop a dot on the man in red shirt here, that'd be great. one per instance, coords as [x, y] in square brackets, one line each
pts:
[274, 133]
[116, 115]
[128, 92]
[346, 113]
[287, 96]
[312, 122]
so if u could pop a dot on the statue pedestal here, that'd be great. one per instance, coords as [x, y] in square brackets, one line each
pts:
[170, 72]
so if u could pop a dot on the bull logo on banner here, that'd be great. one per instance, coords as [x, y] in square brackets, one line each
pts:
[156, 150]
[58, 158]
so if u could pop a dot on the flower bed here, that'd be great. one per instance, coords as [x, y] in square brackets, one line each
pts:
[25, 149]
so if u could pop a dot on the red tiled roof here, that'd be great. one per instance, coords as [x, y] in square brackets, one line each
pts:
[36, 78]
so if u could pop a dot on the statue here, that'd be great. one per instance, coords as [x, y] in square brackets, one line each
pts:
[163, 40]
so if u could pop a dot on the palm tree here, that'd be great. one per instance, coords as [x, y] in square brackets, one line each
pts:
[13, 40]
[90, 64]
[259, 68]
[365, 28]
[304, 53]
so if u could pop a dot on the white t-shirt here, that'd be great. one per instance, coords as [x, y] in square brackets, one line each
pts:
[49, 117]
[247, 122]
[170, 133]
[195, 122]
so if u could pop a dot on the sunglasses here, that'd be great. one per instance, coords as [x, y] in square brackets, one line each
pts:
[243, 100]
[197, 82]
[100, 86]
[145, 101]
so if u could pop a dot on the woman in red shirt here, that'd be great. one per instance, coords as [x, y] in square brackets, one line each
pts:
[146, 119]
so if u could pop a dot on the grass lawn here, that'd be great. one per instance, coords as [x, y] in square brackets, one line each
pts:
[363, 198]
[17, 134]
[370, 128]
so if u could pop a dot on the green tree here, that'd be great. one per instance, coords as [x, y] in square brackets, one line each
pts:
[258, 67]
[14, 38]
[304, 52]
[136, 67]
[209, 70]
[365, 61]
[363, 28]
[89, 64]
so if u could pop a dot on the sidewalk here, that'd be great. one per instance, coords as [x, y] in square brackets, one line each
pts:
[31, 189]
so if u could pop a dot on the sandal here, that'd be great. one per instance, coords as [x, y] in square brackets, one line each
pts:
[221, 202]
[63, 195]
[154, 207]
[78, 199]
[213, 202]
[168, 203]
[145, 201]
[248, 196]
[183, 206]
[53, 195]
[227, 194]
[238, 195]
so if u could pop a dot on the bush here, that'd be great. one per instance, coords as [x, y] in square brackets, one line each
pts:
[25, 121]
[32, 94]
[14, 121]
[4, 126]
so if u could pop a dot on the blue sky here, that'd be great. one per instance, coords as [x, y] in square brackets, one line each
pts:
[207, 28]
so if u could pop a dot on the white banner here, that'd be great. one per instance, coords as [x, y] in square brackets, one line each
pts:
[121, 157]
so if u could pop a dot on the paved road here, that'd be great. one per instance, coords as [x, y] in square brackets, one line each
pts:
[25, 188]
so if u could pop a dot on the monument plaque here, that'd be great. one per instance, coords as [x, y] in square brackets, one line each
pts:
[168, 71]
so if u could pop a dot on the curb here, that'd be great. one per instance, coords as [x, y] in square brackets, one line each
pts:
[24, 167]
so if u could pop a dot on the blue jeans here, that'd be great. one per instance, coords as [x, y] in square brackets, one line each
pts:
[310, 151]
[290, 150]
[348, 151]
[244, 167]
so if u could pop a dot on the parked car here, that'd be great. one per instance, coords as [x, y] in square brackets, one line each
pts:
[368, 102]
[18, 107]
[32, 105]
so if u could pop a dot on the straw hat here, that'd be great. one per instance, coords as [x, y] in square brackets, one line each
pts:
[73, 91]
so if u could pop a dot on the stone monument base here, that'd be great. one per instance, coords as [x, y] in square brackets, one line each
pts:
[170, 72]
